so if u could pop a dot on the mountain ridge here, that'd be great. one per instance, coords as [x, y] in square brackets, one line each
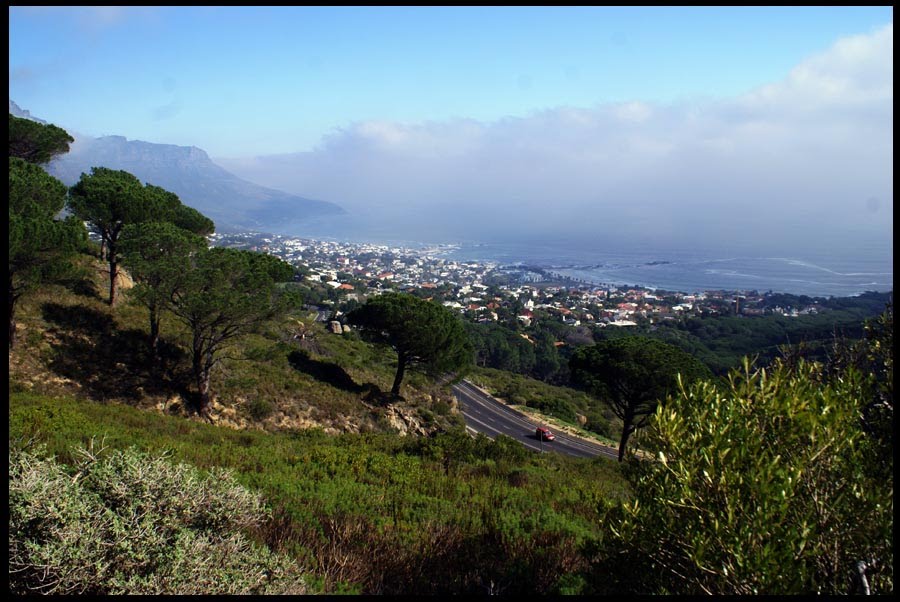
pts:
[230, 201]
[18, 111]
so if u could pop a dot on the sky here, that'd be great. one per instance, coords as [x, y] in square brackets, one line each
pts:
[660, 124]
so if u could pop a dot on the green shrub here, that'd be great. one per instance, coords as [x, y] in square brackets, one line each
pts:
[503, 448]
[259, 408]
[558, 408]
[760, 486]
[441, 407]
[375, 513]
[129, 523]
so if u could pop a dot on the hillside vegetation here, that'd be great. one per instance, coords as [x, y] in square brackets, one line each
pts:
[230, 444]
[290, 374]
[721, 342]
[374, 513]
[366, 512]
[369, 512]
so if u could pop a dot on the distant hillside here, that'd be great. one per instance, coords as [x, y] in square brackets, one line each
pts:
[232, 203]
[18, 111]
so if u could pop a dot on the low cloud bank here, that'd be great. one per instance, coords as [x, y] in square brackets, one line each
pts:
[804, 161]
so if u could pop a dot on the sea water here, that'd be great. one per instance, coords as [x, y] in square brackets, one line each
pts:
[693, 271]
[838, 270]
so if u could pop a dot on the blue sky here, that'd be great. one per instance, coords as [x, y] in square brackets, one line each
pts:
[239, 81]
[759, 128]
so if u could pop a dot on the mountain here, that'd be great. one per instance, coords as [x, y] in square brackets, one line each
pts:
[18, 111]
[231, 202]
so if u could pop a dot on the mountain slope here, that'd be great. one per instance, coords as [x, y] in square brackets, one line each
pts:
[18, 111]
[231, 202]
[228, 200]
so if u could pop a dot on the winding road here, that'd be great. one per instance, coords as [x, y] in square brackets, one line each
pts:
[485, 414]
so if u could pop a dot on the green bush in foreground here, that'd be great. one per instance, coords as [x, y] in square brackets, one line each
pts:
[760, 486]
[130, 523]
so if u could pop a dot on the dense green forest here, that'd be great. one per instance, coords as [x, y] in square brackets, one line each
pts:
[533, 370]
[179, 423]
[722, 341]
[718, 341]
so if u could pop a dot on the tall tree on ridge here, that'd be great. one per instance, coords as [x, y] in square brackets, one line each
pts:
[174, 211]
[36, 142]
[157, 254]
[109, 200]
[226, 293]
[39, 244]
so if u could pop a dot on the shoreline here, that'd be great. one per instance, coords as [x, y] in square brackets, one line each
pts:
[679, 272]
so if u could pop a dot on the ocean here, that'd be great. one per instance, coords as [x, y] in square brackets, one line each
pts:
[825, 272]
[691, 271]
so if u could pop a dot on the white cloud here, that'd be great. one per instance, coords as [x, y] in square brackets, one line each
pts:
[857, 69]
[800, 157]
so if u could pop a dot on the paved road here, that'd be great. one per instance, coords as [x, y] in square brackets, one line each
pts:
[487, 415]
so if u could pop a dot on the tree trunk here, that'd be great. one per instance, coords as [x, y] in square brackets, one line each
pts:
[12, 316]
[627, 429]
[205, 399]
[201, 374]
[113, 271]
[154, 335]
[398, 378]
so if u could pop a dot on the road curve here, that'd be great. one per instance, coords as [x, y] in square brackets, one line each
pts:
[485, 414]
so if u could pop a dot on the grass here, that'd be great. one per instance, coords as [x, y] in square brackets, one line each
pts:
[364, 492]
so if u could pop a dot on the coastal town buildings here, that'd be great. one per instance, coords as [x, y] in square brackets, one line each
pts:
[487, 291]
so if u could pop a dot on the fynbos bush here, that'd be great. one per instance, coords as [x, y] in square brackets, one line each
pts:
[759, 486]
[129, 523]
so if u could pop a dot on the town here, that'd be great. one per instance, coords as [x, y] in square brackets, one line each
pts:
[488, 291]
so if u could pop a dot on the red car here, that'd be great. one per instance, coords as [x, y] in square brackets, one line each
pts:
[544, 434]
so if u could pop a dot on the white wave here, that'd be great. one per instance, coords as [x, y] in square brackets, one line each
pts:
[869, 274]
[731, 273]
[807, 264]
[712, 261]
